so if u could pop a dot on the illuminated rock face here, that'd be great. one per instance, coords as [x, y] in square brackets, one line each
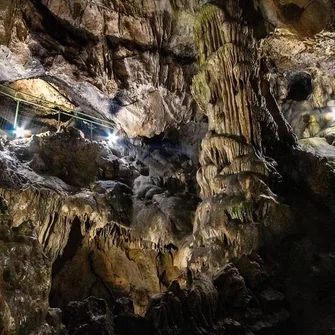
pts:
[304, 18]
[301, 78]
[132, 62]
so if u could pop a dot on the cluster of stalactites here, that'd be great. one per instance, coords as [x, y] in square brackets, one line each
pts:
[214, 29]
[222, 87]
[119, 236]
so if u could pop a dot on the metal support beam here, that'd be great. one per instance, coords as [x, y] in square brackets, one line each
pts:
[16, 113]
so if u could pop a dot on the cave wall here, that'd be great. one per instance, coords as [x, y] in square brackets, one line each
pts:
[130, 62]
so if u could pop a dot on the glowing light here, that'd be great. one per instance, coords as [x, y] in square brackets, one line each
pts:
[112, 138]
[330, 115]
[19, 132]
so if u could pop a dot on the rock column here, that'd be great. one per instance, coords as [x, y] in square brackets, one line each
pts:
[234, 174]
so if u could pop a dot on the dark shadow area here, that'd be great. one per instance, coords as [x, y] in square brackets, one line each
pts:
[74, 242]
[164, 145]
[60, 29]
[300, 87]
[292, 12]
[115, 106]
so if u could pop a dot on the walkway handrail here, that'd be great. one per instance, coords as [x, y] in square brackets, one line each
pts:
[5, 88]
[66, 111]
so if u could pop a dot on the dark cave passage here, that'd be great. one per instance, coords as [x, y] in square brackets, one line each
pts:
[300, 87]
[74, 242]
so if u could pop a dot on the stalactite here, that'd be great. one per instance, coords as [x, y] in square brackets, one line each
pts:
[116, 235]
[228, 68]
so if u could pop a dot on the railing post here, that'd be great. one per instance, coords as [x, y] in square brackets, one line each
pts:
[58, 120]
[16, 113]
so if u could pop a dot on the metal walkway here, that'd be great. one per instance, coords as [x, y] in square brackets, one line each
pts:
[21, 98]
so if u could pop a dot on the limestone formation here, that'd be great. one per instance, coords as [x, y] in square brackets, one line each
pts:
[212, 209]
[234, 173]
[114, 237]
